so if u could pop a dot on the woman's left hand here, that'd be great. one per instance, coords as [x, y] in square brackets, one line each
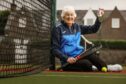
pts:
[100, 12]
[71, 60]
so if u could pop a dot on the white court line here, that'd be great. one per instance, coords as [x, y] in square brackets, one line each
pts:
[83, 76]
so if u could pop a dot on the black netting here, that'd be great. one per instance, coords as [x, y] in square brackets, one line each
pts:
[24, 36]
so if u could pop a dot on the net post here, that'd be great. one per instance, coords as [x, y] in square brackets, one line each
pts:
[53, 22]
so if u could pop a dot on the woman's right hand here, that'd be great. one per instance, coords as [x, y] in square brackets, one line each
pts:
[71, 60]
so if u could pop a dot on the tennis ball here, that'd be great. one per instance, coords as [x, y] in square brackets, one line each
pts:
[104, 69]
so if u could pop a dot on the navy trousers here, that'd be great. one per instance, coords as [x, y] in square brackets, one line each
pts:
[86, 64]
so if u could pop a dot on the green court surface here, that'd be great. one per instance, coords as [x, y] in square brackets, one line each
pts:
[68, 78]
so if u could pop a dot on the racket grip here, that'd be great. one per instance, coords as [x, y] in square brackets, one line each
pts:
[78, 57]
[62, 66]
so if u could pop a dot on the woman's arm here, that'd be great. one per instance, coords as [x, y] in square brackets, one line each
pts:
[94, 28]
[56, 44]
[90, 29]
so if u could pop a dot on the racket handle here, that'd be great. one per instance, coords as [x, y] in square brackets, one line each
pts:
[78, 57]
[62, 66]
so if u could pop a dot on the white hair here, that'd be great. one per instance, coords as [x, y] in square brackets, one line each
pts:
[68, 9]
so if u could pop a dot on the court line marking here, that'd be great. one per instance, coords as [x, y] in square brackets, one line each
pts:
[82, 76]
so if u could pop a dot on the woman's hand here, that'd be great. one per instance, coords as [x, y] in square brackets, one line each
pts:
[100, 12]
[71, 60]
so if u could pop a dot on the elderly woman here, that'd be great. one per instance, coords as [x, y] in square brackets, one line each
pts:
[66, 42]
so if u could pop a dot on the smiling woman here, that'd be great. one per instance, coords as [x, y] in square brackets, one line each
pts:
[66, 42]
[68, 15]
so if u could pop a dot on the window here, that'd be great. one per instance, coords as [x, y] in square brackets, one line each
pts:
[89, 21]
[22, 22]
[115, 23]
[21, 51]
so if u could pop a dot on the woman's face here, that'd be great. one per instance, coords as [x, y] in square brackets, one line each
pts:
[69, 18]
